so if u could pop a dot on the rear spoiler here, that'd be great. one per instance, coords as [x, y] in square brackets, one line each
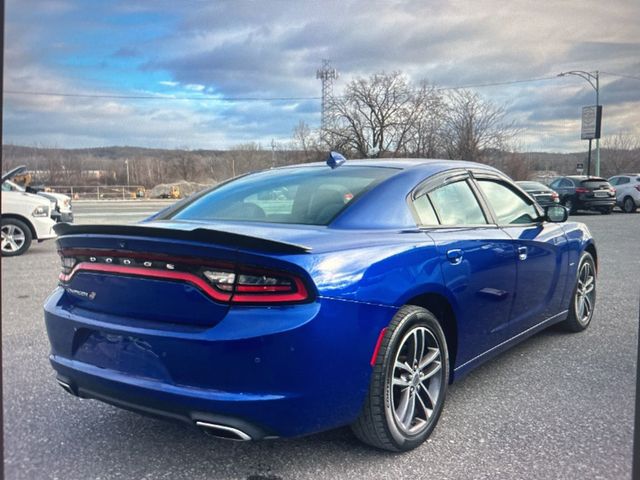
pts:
[204, 235]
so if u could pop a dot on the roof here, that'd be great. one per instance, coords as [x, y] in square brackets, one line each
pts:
[401, 163]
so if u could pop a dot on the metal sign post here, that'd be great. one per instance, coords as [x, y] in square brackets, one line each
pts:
[591, 120]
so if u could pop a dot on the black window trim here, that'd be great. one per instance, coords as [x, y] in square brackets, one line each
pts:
[440, 180]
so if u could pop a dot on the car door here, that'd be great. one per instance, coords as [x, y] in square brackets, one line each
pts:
[477, 261]
[541, 248]
[564, 187]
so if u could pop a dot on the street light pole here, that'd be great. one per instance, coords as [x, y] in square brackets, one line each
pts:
[594, 80]
[126, 162]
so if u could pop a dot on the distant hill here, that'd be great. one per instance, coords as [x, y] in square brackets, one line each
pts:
[150, 166]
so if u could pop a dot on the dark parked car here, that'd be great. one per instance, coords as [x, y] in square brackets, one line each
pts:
[579, 192]
[354, 302]
[544, 195]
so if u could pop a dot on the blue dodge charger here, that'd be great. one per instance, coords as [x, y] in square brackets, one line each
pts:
[303, 298]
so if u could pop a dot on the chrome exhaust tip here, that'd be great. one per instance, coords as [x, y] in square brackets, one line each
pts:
[223, 431]
[66, 387]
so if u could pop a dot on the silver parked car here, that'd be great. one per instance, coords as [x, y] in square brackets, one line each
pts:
[627, 187]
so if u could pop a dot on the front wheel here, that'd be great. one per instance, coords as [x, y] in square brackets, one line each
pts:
[583, 300]
[408, 385]
[16, 237]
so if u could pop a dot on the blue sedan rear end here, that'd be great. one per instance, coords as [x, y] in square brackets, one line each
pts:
[290, 301]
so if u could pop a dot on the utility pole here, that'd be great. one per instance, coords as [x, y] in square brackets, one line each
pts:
[273, 153]
[594, 80]
[327, 74]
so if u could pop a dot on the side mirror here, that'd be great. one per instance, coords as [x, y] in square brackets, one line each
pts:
[556, 213]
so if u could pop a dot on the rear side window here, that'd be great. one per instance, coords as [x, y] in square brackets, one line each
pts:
[509, 206]
[455, 204]
[304, 195]
[621, 181]
[566, 183]
[425, 211]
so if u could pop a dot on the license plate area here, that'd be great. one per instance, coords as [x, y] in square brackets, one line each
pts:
[122, 353]
[601, 194]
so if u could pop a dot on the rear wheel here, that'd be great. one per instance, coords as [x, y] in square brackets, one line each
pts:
[569, 204]
[408, 385]
[583, 300]
[628, 205]
[16, 237]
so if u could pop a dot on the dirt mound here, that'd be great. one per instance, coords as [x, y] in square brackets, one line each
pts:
[186, 188]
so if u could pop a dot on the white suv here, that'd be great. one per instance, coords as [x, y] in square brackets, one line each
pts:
[627, 187]
[25, 217]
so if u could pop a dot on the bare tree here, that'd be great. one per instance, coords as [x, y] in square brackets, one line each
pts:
[620, 154]
[426, 139]
[472, 126]
[376, 117]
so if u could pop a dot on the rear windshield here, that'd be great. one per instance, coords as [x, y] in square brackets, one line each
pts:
[595, 183]
[303, 195]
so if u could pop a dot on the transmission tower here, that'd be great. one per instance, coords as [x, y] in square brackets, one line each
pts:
[327, 74]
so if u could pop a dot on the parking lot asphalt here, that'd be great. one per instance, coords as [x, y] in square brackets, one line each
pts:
[558, 406]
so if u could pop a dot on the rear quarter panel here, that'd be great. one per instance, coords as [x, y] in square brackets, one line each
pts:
[579, 238]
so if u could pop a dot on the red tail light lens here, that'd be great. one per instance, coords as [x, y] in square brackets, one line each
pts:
[220, 281]
[582, 190]
[258, 286]
[637, 187]
[554, 195]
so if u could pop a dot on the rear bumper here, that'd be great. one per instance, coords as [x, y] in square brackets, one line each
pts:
[596, 203]
[283, 371]
[159, 400]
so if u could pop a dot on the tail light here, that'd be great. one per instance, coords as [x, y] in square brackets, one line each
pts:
[258, 286]
[555, 197]
[221, 281]
[582, 190]
[637, 187]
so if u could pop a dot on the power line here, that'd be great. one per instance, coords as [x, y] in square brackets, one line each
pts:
[155, 97]
[623, 75]
[494, 84]
[246, 99]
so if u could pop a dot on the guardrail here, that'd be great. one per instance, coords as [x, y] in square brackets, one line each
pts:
[101, 192]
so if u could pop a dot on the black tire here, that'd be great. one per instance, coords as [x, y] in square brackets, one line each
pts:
[411, 329]
[576, 320]
[628, 205]
[16, 237]
[568, 202]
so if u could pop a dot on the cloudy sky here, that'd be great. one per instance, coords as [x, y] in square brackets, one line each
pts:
[226, 72]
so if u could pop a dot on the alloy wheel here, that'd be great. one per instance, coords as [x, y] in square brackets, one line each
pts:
[416, 381]
[13, 238]
[585, 293]
[629, 205]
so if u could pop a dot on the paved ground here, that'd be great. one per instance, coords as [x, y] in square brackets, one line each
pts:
[557, 406]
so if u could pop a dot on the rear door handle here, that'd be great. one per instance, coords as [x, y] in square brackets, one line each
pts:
[522, 253]
[455, 256]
